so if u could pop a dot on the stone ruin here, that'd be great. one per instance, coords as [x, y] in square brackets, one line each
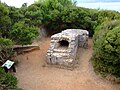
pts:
[64, 45]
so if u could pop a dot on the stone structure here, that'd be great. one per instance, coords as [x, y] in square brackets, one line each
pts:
[64, 45]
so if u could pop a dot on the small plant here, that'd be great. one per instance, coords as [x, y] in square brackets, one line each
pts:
[8, 81]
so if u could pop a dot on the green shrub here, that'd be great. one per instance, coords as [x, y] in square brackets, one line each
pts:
[23, 34]
[106, 56]
[8, 81]
[102, 29]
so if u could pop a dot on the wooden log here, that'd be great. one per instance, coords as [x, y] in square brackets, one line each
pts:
[25, 46]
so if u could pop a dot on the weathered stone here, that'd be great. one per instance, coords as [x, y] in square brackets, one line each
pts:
[64, 45]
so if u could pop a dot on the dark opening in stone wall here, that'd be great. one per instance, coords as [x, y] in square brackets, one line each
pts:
[63, 44]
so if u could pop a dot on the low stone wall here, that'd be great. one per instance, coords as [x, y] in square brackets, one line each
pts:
[64, 45]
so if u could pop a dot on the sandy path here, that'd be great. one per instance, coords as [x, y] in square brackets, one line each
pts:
[32, 76]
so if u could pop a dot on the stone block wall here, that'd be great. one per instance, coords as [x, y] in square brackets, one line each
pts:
[64, 45]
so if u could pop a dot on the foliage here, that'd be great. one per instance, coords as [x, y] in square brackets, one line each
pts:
[107, 15]
[15, 15]
[7, 81]
[6, 49]
[5, 20]
[106, 57]
[100, 30]
[21, 33]
[58, 15]
[32, 15]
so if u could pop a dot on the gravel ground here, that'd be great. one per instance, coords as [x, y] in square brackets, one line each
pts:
[33, 75]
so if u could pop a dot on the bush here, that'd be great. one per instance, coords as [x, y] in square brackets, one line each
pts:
[6, 50]
[23, 34]
[8, 81]
[102, 29]
[106, 56]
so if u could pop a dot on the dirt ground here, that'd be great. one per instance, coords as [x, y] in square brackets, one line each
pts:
[33, 76]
